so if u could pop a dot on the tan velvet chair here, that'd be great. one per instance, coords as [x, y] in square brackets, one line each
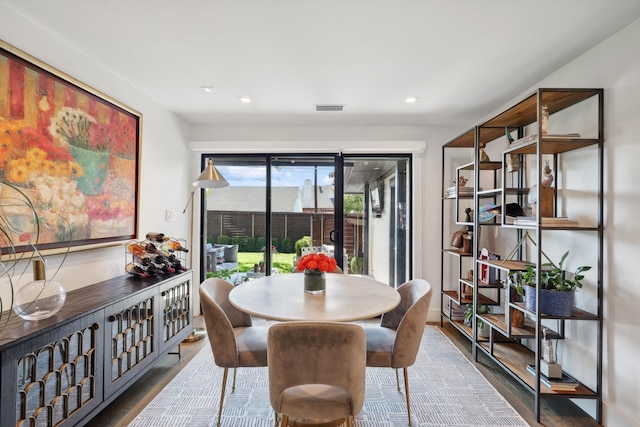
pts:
[316, 370]
[235, 343]
[396, 341]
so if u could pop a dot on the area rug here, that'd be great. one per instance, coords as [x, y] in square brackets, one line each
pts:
[446, 390]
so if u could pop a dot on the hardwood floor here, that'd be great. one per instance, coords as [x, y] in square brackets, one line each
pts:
[555, 413]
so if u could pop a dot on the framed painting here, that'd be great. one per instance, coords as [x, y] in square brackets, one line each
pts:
[69, 160]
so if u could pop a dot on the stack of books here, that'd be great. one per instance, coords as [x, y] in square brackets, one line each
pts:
[525, 220]
[566, 383]
[464, 191]
[560, 221]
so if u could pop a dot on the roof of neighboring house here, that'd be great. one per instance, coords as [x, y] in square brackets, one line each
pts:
[252, 199]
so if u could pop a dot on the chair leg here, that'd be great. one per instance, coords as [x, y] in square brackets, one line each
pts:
[349, 421]
[224, 385]
[233, 388]
[397, 380]
[285, 421]
[406, 393]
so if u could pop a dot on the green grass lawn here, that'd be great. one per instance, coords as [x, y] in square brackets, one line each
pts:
[282, 261]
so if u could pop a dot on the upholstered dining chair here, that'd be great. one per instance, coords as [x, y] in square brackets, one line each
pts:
[395, 342]
[234, 341]
[316, 370]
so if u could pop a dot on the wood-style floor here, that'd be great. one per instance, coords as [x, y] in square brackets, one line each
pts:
[555, 413]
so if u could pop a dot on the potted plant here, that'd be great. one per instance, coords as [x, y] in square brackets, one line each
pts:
[558, 296]
[483, 331]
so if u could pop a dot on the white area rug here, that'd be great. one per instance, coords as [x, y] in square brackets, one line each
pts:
[445, 389]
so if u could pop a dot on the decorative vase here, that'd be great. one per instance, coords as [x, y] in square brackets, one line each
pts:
[94, 166]
[41, 298]
[554, 303]
[315, 281]
[516, 316]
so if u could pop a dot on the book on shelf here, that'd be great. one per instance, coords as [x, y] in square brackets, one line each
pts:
[525, 220]
[566, 383]
[527, 138]
[558, 221]
[545, 221]
[463, 191]
[561, 135]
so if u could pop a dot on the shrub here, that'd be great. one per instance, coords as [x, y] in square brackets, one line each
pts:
[223, 240]
[261, 243]
[304, 242]
[285, 246]
[249, 245]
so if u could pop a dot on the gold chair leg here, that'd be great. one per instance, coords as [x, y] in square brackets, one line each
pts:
[285, 421]
[397, 380]
[233, 388]
[224, 385]
[406, 393]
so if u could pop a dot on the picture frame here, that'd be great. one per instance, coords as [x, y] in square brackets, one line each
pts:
[72, 152]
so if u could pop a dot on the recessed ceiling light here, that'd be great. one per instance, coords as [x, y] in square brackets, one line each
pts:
[411, 99]
[207, 88]
[245, 99]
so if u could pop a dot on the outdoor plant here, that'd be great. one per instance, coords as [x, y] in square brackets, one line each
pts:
[304, 242]
[553, 277]
[356, 264]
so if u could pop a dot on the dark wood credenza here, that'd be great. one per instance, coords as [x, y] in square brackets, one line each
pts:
[67, 368]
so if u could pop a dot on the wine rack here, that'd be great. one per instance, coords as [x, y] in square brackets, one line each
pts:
[157, 254]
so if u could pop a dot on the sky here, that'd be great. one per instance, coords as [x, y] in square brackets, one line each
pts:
[281, 176]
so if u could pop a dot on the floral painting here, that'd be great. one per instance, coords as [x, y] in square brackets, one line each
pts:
[71, 150]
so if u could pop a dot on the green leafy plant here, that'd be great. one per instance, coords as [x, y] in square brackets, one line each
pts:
[356, 264]
[553, 277]
[304, 242]
[468, 314]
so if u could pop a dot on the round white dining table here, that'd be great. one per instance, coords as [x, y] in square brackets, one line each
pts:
[346, 298]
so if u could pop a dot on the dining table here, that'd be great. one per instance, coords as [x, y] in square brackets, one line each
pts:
[346, 298]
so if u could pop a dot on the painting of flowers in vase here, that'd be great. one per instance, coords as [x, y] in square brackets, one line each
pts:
[72, 150]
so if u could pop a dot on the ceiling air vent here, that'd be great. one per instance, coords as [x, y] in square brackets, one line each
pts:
[335, 107]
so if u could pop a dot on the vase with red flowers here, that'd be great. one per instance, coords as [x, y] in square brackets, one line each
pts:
[315, 267]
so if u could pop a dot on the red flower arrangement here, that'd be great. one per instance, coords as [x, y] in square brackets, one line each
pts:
[317, 262]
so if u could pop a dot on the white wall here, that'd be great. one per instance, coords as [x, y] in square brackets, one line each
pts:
[615, 66]
[165, 178]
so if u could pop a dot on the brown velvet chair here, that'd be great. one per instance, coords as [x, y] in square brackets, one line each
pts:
[316, 370]
[396, 341]
[235, 343]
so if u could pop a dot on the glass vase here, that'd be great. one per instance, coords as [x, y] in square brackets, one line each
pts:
[315, 282]
[40, 298]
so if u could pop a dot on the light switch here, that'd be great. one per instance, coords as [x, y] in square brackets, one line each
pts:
[170, 215]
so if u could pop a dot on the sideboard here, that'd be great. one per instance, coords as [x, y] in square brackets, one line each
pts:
[65, 369]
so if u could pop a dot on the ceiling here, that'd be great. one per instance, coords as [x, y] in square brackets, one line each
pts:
[461, 58]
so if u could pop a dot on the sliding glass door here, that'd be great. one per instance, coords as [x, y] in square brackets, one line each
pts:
[278, 207]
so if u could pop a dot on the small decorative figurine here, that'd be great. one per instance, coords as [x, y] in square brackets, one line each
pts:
[545, 120]
[547, 175]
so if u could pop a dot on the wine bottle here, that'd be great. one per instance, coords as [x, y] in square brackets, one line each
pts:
[150, 247]
[136, 248]
[176, 245]
[156, 237]
[150, 269]
[136, 270]
[177, 265]
[142, 260]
